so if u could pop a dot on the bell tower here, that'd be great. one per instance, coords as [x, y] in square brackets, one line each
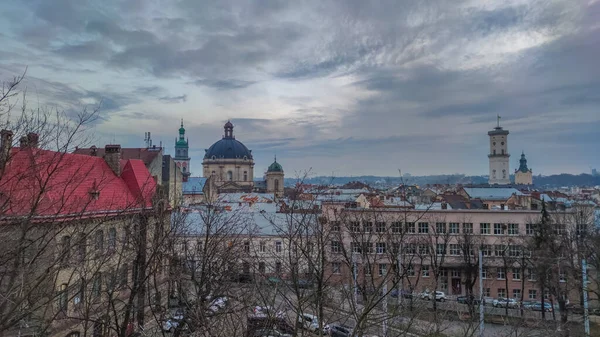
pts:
[182, 158]
[498, 156]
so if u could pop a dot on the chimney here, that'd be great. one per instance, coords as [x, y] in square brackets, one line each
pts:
[23, 142]
[33, 140]
[112, 156]
[5, 145]
[93, 151]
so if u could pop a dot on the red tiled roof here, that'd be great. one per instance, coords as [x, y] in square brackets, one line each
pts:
[144, 154]
[47, 183]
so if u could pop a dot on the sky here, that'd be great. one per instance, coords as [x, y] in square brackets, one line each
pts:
[336, 88]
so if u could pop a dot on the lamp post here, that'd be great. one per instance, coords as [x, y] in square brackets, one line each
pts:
[481, 305]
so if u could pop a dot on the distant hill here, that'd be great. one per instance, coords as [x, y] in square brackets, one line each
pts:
[552, 181]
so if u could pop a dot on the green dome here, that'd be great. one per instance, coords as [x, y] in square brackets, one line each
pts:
[275, 167]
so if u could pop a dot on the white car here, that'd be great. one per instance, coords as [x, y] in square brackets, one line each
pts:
[173, 323]
[439, 296]
[264, 311]
[218, 304]
[309, 322]
[505, 302]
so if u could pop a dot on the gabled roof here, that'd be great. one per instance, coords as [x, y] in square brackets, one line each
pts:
[47, 183]
[147, 155]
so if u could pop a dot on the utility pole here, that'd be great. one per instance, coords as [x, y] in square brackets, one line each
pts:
[586, 314]
[481, 304]
[385, 309]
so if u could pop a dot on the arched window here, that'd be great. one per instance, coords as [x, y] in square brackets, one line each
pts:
[502, 151]
[63, 298]
[81, 248]
[245, 175]
[229, 175]
[494, 152]
[183, 169]
[99, 241]
[97, 286]
[503, 174]
[112, 239]
[276, 184]
[65, 248]
[213, 173]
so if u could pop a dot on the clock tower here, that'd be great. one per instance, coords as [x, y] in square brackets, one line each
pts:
[182, 158]
[498, 156]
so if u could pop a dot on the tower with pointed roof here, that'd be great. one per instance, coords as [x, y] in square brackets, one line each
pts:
[182, 158]
[274, 179]
[498, 156]
[524, 175]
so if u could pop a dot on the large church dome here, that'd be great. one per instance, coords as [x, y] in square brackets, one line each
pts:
[228, 147]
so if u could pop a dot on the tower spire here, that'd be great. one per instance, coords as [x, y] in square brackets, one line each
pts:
[498, 117]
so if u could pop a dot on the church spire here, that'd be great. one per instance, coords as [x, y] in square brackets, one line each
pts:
[523, 163]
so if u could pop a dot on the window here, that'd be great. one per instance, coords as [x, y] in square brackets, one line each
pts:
[355, 226]
[516, 293]
[380, 227]
[380, 247]
[484, 273]
[396, 227]
[112, 240]
[487, 292]
[261, 267]
[63, 298]
[501, 292]
[562, 275]
[246, 246]
[97, 286]
[127, 235]
[467, 228]
[581, 229]
[531, 274]
[411, 248]
[99, 241]
[501, 274]
[367, 269]
[79, 296]
[514, 250]
[532, 294]
[336, 267]
[278, 246]
[423, 249]
[336, 246]
[529, 229]
[276, 184]
[81, 248]
[368, 247]
[229, 175]
[65, 249]
[516, 272]
[455, 273]
[513, 229]
[278, 267]
[486, 250]
[395, 248]
[423, 227]
[382, 269]
[123, 276]
[262, 246]
[355, 247]
[498, 229]
[484, 228]
[440, 228]
[440, 249]
[368, 227]
[246, 177]
[425, 271]
[454, 249]
[410, 227]
[454, 228]
[410, 271]
[335, 226]
[499, 250]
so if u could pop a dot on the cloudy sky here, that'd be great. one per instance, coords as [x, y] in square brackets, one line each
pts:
[343, 87]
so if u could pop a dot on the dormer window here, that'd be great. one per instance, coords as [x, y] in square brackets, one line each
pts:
[94, 191]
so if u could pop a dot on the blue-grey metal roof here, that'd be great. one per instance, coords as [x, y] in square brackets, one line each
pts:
[492, 193]
[228, 148]
[194, 185]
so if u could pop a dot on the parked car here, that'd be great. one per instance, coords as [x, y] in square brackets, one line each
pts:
[175, 321]
[537, 306]
[468, 300]
[218, 303]
[439, 296]
[505, 302]
[527, 304]
[305, 284]
[403, 293]
[274, 280]
[337, 330]
[309, 322]
[267, 311]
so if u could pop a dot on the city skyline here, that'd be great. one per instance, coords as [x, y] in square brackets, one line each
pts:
[347, 89]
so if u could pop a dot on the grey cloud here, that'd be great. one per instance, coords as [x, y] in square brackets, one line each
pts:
[90, 50]
[218, 84]
[173, 99]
